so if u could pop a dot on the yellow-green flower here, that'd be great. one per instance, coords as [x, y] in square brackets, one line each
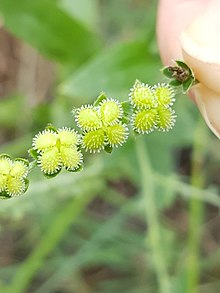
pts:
[56, 149]
[101, 125]
[13, 176]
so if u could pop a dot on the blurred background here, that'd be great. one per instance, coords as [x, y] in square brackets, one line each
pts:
[144, 219]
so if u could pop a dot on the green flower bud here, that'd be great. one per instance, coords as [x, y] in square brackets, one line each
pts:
[44, 140]
[166, 119]
[50, 161]
[165, 94]
[68, 137]
[142, 96]
[110, 111]
[88, 118]
[15, 186]
[144, 121]
[94, 141]
[19, 169]
[71, 158]
[116, 134]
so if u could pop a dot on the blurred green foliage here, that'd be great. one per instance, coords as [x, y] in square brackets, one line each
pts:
[87, 232]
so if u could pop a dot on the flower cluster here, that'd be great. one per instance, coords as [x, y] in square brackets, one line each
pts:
[54, 149]
[102, 125]
[152, 107]
[13, 176]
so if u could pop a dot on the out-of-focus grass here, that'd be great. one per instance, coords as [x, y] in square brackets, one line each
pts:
[121, 225]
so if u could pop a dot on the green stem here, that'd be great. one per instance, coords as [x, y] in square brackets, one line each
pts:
[153, 231]
[196, 208]
[48, 242]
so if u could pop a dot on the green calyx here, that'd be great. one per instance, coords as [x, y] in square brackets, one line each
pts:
[180, 75]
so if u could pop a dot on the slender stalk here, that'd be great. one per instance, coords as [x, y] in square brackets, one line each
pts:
[153, 232]
[196, 210]
[48, 242]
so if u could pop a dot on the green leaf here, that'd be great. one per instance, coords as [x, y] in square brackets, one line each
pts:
[126, 108]
[51, 127]
[100, 98]
[108, 149]
[25, 161]
[4, 195]
[114, 71]
[33, 153]
[44, 25]
[85, 11]
[79, 169]
[183, 65]
[2, 156]
[26, 182]
[167, 72]
[175, 82]
[50, 176]
[187, 84]
[125, 120]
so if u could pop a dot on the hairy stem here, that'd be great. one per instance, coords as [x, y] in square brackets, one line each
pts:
[154, 230]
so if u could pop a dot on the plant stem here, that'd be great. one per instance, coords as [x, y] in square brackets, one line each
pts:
[48, 242]
[153, 231]
[196, 207]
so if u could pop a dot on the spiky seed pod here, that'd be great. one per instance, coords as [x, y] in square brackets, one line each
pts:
[68, 137]
[144, 121]
[44, 140]
[71, 157]
[116, 134]
[165, 94]
[142, 97]
[19, 169]
[110, 111]
[87, 118]
[50, 161]
[94, 141]
[15, 186]
[166, 118]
